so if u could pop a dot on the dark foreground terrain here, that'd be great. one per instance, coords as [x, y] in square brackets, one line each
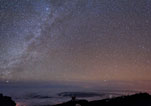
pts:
[6, 101]
[141, 99]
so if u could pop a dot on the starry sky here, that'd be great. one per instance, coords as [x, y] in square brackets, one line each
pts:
[75, 40]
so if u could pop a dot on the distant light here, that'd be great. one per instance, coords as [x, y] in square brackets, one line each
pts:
[20, 104]
[78, 105]
[105, 80]
[110, 96]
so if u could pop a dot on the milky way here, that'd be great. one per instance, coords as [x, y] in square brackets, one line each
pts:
[86, 40]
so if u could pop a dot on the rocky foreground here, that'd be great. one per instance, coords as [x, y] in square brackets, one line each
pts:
[6, 101]
[141, 99]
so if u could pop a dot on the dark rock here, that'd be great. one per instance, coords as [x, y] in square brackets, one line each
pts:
[6, 101]
[74, 103]
[141, 99]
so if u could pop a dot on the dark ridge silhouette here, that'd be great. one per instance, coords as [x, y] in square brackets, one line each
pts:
[140, 99]
[79, 94]
[6, 101]
[74, 103]
[34, 95]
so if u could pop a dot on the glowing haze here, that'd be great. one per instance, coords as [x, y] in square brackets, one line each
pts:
[75, 40]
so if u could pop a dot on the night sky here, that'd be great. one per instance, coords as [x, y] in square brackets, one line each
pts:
[75, 40]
